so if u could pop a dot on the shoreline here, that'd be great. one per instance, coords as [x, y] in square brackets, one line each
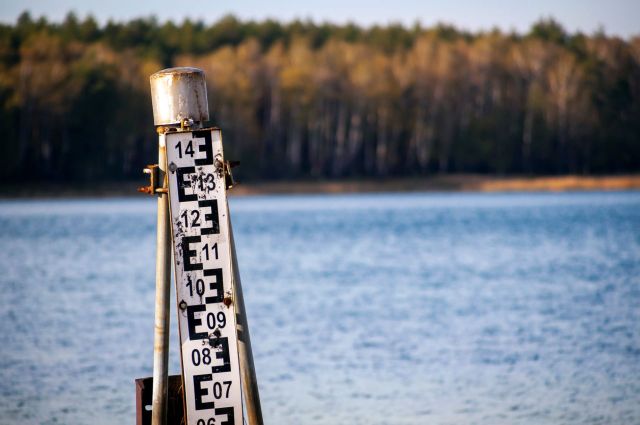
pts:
[443, 183]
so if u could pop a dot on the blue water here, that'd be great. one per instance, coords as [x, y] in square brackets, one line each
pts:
[364, 309]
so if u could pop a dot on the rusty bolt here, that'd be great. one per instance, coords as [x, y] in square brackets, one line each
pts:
[227, 301]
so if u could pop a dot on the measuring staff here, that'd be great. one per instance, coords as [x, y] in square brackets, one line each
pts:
[191, 179]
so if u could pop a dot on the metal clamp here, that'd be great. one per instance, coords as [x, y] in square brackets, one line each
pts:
[225, 168]
[153, 187]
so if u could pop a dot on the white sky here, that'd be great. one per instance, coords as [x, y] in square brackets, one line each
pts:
[618, 17]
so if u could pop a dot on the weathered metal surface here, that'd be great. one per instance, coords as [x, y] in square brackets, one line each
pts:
[155, 185]
[247, 370]
[163, 283]
[179, 97]
[175, 405]
[204, 277]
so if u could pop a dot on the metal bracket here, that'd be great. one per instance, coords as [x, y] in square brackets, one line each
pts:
[187, 124]
[153, 187]
[224, 168]
[228, 176]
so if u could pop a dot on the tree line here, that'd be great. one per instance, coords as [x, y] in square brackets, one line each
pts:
[307, 100]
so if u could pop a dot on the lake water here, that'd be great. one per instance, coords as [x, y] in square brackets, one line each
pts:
[364, 309]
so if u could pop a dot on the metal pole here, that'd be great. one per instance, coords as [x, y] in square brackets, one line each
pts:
[178, 97]
[163, 282]
[247, 369]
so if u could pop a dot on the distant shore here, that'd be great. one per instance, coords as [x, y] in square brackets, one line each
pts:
[453, 183]
[444, 183]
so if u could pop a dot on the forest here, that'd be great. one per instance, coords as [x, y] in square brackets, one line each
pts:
[306, 100]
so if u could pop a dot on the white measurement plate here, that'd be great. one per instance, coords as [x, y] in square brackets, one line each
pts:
[206, 312]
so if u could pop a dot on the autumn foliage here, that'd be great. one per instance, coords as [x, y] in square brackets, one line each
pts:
[303, 100]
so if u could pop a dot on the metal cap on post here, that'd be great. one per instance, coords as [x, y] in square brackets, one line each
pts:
[179, 94]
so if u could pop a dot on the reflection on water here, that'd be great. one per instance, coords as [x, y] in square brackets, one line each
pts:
[364, 309]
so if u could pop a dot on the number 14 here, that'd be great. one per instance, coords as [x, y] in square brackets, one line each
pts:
[188, 151]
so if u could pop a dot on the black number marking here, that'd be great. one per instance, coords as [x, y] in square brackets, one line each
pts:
[205, 249]
[217, 390]
[206, 356]
[206, 182]
[219, 318]
[203, 357]
[199, 287]
[184, 217]
[188, 151]
[195, 218]
[214, 250]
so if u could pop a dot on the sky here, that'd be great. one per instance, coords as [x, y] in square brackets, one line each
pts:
[616, 17]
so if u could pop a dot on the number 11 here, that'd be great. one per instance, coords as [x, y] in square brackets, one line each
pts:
[214, 249]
